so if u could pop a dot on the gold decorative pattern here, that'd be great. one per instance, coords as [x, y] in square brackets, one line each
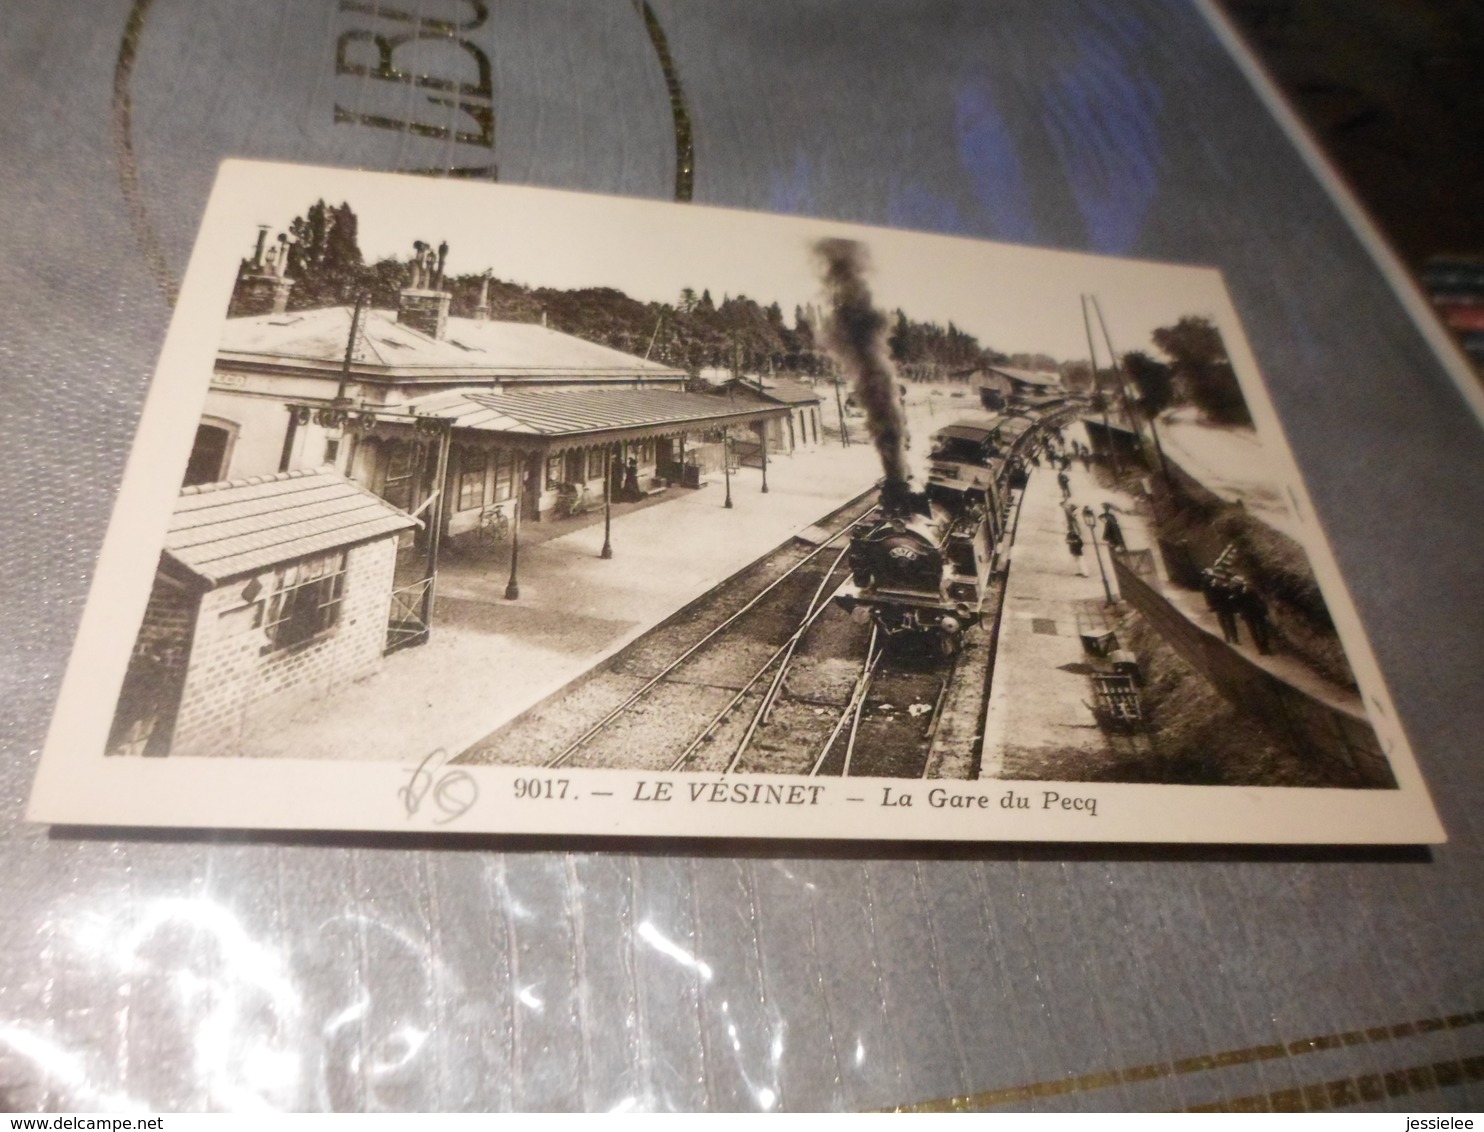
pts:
[1362, 1088]
[1347, 1091]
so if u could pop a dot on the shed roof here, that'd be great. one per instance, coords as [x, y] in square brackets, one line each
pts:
[789, 392]
[224, 530]
[470, 349]
[574, 412]
[1027, 376]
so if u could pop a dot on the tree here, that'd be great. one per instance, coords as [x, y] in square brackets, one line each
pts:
[1154, 380]
[324, 257]
[1203, 373]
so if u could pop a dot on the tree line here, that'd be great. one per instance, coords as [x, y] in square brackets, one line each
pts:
[738, 334]
[742, 335]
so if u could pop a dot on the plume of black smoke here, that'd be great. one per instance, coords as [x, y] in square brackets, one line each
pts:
[856, 333]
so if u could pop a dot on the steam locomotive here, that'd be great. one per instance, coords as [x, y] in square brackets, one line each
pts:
[923, 570]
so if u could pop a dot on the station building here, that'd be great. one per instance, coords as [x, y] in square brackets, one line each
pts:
[1002, 386]
[799, 429]
[367, 392]
[456, 421]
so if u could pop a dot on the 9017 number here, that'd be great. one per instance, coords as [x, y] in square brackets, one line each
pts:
[541, 788]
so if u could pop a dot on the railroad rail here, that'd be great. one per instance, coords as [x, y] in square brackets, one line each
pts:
[816, 607]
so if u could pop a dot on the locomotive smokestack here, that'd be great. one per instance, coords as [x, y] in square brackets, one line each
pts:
[856, 333]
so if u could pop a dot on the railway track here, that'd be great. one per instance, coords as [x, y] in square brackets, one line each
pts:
[759, 711]
[704, 687]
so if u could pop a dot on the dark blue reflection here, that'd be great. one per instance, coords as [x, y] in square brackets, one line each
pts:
[987, 150]
[793, 190]
[912, 206]
[1100, 112]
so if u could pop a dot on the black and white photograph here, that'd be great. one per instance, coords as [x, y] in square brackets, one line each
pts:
[581, 514]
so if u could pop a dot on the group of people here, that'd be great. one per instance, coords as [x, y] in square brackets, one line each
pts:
[1230, 596]
[1059, 452]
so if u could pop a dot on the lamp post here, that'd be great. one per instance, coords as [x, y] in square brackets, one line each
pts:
[512, 587]
[763, 433]
[607, 551]
[726, 463]
[1089, 516]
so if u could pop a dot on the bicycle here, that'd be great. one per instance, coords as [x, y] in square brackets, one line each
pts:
[494, 525]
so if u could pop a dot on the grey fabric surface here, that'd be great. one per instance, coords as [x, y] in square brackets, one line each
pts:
[181, 972]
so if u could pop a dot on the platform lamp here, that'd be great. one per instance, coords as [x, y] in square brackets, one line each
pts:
[726, 462]
[763, 433]
[607, 551]
[1089, 516]
[512, 587]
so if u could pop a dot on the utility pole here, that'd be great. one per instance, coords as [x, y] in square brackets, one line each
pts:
[1159, 452]
[1098, 388]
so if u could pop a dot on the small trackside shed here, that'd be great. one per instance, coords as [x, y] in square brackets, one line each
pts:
[269, 590]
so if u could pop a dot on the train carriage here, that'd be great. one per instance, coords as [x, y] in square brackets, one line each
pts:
[965, 461]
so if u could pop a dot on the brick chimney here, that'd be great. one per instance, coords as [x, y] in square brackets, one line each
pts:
[262, 287]
[423, 303]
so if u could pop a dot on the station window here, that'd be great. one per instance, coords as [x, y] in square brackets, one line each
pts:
[504, 476]
[471, 478]
[554, 469]
[306, 600]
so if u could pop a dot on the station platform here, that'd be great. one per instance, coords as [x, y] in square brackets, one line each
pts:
[1040, 708]
[489, 659]
[1039, 698]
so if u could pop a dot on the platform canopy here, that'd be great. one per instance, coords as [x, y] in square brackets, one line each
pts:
[538, 421]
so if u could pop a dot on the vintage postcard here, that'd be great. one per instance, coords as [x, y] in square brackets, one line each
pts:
[479, 508]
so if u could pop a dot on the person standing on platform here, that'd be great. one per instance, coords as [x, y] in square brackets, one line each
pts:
[1112, 530]
[1247, 602]
[1065, 484]
[1220, 597]
[1074, 547]
[631, 490]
